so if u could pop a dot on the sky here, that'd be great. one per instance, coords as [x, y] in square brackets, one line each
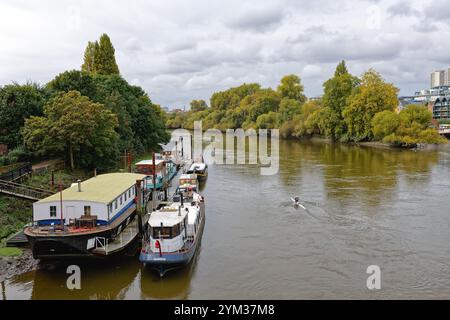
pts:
[180, 50]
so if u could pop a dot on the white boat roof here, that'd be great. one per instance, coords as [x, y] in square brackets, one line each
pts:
[198, 166]
[149, 162]
[103, 188]
[167, 215]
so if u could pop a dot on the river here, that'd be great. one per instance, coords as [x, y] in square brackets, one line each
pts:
[364, 206]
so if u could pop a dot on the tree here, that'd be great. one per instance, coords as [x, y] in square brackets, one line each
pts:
[104, 57]
[88, 62]
[99, 57]
[17, 103]
[412, 127]
[198, 105]
[73, 80]
[385, 123]
[372, 96]
[267, 121]
[336, 92]
[290, 87]
[288, 108]
[323, 121]
[72, 123]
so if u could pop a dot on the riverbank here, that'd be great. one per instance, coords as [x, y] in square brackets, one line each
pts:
[11, 266]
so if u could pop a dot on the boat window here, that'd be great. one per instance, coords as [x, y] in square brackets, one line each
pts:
[129, 193]
[110, 207]
[115, 204]
[87, 210]
[52, 211]
[120, 200]
[126, 196]
[161, 232]
[167, 232]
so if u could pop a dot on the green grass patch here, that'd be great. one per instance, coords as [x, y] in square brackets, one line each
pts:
[10, 252]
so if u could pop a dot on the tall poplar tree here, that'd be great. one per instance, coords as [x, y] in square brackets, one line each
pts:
[99, 57]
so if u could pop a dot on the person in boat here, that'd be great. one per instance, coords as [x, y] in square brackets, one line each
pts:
[296, 200]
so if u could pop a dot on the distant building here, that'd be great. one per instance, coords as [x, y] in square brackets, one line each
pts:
[437, 100]
[439, 78]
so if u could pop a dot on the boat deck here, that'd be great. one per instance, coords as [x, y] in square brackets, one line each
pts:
[125, 238]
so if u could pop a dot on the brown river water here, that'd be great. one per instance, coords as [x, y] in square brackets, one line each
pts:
[364, 206]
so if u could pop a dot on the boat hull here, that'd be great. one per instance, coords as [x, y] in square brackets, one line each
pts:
[46, 247]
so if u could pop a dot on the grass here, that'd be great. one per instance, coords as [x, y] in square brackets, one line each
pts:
[10, 252]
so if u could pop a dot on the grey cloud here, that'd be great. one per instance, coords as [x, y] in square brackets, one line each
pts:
[258, 19]
[403, 9]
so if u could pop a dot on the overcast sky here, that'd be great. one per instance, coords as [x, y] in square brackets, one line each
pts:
[180, 50]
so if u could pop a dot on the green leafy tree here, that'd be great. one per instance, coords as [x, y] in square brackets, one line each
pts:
[88, 62]
[288, 108]
[17, 103]
[323, 121]
[73, 124]
[73, 80]
[413, 127]
[336, 92]
[385, 123]
[290, 87]
[267, 121]
[99, 57]
[372, 96]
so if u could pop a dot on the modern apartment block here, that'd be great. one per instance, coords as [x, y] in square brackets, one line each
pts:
[439, 78]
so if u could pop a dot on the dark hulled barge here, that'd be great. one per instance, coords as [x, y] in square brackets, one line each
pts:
[97, 217]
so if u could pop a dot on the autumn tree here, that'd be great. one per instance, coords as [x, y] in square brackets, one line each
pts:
[291, 88]
[198, 105]
[372, 96]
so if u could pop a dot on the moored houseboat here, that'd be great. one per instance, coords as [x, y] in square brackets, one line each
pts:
[96, 217]
[173, 233]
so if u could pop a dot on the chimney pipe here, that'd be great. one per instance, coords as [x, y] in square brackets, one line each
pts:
[79, 185]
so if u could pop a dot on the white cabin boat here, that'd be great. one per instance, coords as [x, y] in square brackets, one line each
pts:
[173, 233]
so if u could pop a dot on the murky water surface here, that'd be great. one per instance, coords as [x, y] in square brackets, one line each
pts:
[365, 206]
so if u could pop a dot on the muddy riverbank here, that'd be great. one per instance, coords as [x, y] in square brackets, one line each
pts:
[11, 266]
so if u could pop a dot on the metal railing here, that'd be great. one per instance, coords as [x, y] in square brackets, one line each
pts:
[23, 191]
[17, 172]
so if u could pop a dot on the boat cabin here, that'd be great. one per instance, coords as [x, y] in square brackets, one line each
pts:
[188, 180]
[94, 202]
[146, 167]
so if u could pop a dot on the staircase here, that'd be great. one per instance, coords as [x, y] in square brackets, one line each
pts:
[22, 191]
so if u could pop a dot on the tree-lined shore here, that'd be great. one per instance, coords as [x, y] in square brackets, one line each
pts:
[351, 109]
